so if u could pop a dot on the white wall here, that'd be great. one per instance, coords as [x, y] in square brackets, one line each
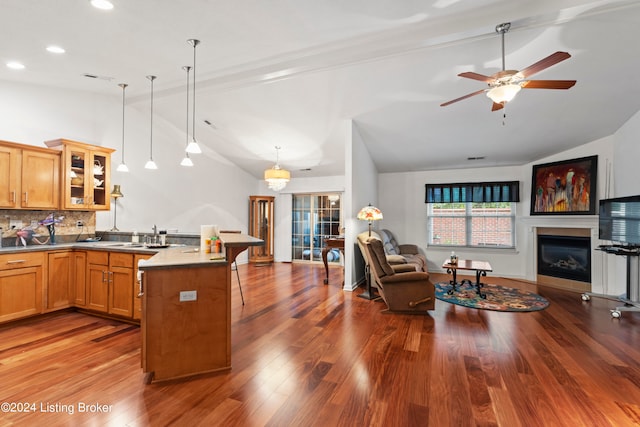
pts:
[362, 189]
[401, 198]
[626, 183]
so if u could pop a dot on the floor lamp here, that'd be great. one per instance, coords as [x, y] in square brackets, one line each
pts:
[115, 194]
[369, 213]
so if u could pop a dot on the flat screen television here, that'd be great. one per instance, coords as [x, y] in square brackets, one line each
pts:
[619, 220]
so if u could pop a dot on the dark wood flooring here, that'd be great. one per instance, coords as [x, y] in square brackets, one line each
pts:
[305, 354]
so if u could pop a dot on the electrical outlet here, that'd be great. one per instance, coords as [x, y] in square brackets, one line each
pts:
[15, 223]
[79, 224]
[188, 296]
[34, 224]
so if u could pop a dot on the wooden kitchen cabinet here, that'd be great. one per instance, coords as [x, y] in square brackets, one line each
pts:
[85, 176]
[109, 289]
[21, 282]
[60, 277]
[29, 177]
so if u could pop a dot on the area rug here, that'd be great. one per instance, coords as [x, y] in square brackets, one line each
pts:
[498, 298]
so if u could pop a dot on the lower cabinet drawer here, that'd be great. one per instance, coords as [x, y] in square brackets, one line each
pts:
[21, 260]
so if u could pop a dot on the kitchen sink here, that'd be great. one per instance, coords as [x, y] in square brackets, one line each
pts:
[118, 244]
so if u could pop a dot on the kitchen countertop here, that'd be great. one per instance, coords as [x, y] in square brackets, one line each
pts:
[190, 256]
[100, 245]
[175, 255]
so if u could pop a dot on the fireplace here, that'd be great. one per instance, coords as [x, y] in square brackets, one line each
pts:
[565, 257]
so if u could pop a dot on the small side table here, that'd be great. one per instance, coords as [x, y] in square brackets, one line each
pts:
[332, 243]
[480, 267]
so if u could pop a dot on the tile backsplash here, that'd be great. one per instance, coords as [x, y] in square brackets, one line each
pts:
[66, 230]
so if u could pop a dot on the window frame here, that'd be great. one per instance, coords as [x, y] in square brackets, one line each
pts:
[468, 220]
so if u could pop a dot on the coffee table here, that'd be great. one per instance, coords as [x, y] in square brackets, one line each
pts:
[480, 267]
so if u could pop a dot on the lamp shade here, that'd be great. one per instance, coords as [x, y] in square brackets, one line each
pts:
[503, 93]
[116, 192]
[277, 178]
[369, 213]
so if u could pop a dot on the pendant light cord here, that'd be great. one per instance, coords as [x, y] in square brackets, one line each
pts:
[151, 133]
[151, 78]
[193, 127]
[187, 69]
[123, 86]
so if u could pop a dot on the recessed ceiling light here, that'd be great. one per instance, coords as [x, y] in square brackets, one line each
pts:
[102, 4]
[55, 49]
[15, 65]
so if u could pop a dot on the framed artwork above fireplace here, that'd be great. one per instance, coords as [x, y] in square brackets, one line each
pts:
[565, 188]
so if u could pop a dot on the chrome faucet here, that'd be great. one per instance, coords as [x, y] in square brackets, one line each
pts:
[1, 232]
[154, 239]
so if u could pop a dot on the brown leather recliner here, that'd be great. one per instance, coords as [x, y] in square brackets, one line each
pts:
[402, 291]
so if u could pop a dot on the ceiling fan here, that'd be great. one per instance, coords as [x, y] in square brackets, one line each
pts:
[505, 84]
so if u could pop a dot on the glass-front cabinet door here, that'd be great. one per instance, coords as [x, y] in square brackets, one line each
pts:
[86, 175]
[315, 218]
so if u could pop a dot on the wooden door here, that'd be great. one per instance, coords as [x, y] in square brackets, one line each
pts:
[121, 291]
[79, 273]
[60, 280]
[40, 180]
[9, 177]
[20, 293]
[97, 289]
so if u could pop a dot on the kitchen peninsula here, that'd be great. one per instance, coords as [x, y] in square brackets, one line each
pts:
[186, 309]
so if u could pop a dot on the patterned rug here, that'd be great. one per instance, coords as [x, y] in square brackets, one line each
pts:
[498, 298]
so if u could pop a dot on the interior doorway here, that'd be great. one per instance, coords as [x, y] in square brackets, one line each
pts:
[316, 217]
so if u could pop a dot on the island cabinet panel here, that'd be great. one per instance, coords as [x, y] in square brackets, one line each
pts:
[21, 282]
[188, 337]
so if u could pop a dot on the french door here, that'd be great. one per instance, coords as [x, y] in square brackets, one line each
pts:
[316, 217]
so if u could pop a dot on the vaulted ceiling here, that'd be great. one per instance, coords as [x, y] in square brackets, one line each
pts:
[289, 73]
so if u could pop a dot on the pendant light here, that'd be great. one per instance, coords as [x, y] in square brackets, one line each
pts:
[277, 177]
[122, 167]
[193, 146]
[150, 163]
[187, 160]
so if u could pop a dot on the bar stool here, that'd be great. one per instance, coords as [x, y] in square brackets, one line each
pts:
[235, 264]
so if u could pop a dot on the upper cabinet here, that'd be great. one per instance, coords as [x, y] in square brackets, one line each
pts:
[86, 175]
[29, 177]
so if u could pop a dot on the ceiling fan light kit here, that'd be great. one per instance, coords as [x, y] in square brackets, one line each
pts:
[505, 85]
[504, 93]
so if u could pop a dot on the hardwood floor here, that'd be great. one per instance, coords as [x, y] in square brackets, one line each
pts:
[305, 354]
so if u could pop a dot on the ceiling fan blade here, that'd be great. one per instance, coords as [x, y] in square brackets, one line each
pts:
[497, 106]
[469, 95]
[547, 84]
[476, 76]
[547, 62]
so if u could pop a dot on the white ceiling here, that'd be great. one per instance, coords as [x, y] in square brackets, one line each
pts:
[289, 72]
